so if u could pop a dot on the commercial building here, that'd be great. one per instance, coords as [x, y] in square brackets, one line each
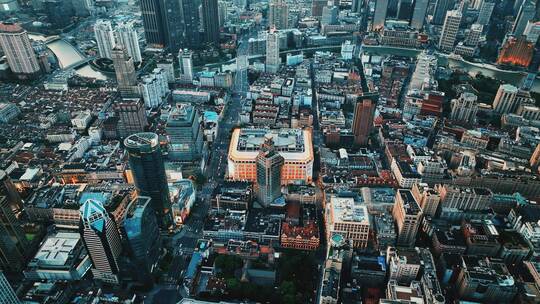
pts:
[154, 19]
[102, 241]
[20, 55]
[294, 145]
[364, 112]
[517, 51]
[131, 116]
[210, 20]
[349, 219]
[408, 216]
[526, 13]
[505, 99]
[14, 246]
[185, 60]
[7, 294]
[462, 198]
[185, 133]
[269, 164]
[381, 8]
[127, 36]
[464, 108]
[485, 11]
[148, 171]
[278, 14]
[450, 30]
[124, 68]
[419, 14]
[104, 38]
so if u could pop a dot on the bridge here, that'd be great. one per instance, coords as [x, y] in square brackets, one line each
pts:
[79, 63]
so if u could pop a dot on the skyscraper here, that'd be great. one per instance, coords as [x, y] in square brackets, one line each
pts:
[405, 10]
[13, 242]
[148, 171]
[278, 14]
[269, 164]
[191, 22]
[141, 231]
[441, 7]
[102, 241]
[464, 108]
[7, 189]
[535, 157]
[450, 30]
[381, 8]
[329, 15]
[364, 112]
[185, 61]
[7, 294]
[211, 20]
[317, 7]
[18, 49]
[185, 133]
[485, 11]
[129, 39]
[131, 116]
[419, 14]
[124, 69]
[104, 38]
[408, 216]
[505, 99]
[526, 13]
[153, 21]
[273, 61]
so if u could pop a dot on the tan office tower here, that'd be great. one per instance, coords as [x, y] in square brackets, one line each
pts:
[124, 68]
[364, 112]
[408, 216]
[19, 52]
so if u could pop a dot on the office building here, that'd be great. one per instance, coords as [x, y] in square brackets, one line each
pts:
[405, 10]
[278, 14]
[8, 190]
[381, 8]
[464, 108]
[141, 230]
[154, 23]
[14, 245]
[441, 8]
[404, 264]
[329, 15]
[526, 13]
[450, 30]
[485, 12]
[210, 21]
[408, 216]
[127, 36]
[532, 32]
[191, 23]
[535, 157]
[473, 37]
[419, 14]
[8, 112]
[268, 165]
[124, 68]
[364, 112]
[7, 294]
[516, 51]
[464, 198]
[295, 145]
[505, 99]
[428, 198]
[19, 53]
[349, 219]
[273, 61]
[104, 38]
[317, 8]
[102, 241]
[148, 172]
[185, 133]
[185, 61]
[131, 116]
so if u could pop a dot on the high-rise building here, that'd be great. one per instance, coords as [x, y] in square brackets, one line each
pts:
[59, 12]
[124, 68]
[104, 38]
[128, 38]
[356, 6]
[154, 22]
[269, 164]
[408, 216]
[405, 10]
[273, 61]
[505, 99]
[141, 230]
[485, 12]
[349, 219]
[419, 14]
[185, 60]
[7, 294]
[450, 30]
[278, 14]
[154, 88]
[222, 13]
[211, 21]
[191, 22]
[13, 243]
[526, 13]
[441, 7]
[428, 199]
[473, 37]
[535, 157]
[7, 189]
[464, 198]
[532, 31]
[185, 133]
[364, 112]
[317, 7]
[329, 15]
[148, 171]
[464, 108]
[379, 17]
[18, 50]
[516, 51]
[131, 116]
[102, 241]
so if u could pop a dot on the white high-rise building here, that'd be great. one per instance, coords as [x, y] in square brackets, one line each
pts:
[154, 87]
[474, 34]
[185, 61]
[419, 14]
[127, 36]
[450, 30]
[505, 100]
[104, 38]
[18, 50]
[464, 108]
[485, 11]
[532, 31]
[381, 7]
[278, 14]
[273, 61]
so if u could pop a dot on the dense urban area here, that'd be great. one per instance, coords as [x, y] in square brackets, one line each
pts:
[269, 151]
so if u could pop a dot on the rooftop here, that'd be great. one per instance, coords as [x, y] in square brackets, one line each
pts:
[346, 209]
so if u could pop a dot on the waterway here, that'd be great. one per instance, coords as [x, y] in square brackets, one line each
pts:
[67, 55]
[472, 68]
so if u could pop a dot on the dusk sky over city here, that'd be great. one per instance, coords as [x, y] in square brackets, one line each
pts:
[269, 151]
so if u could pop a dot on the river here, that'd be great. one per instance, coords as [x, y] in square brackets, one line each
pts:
[512, 77]
[67, 54]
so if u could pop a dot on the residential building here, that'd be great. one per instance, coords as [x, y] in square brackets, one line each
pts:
[278, 14]
[20, 55]
[127, 36]
[104, 38]
[273, 61]
[450, 30]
